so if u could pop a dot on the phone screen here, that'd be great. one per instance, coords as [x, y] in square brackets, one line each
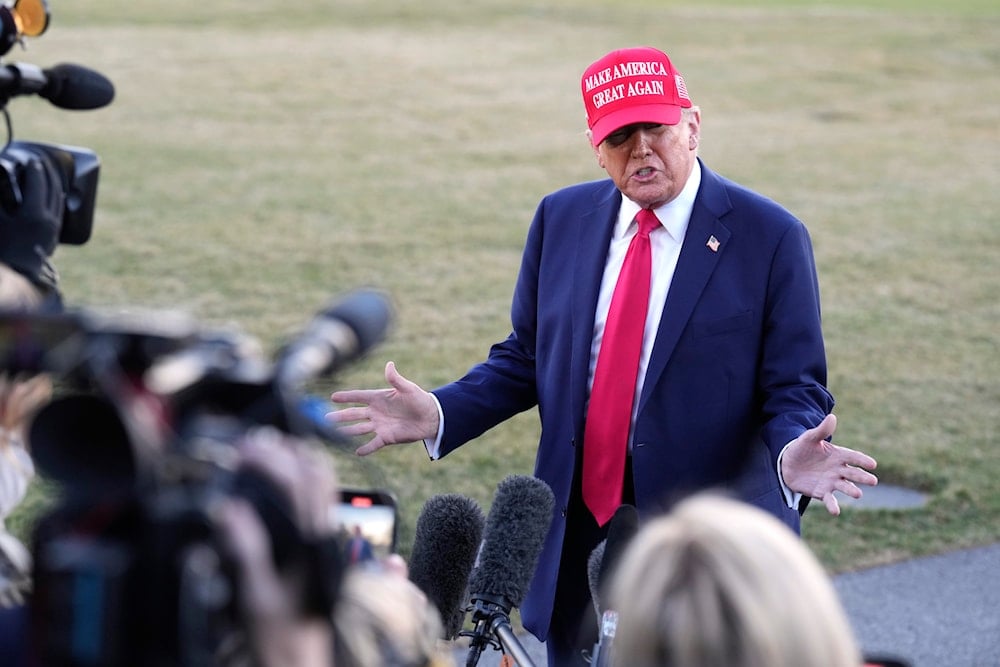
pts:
[367, 524]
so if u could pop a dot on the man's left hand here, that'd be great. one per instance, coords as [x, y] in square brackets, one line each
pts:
[815, 467]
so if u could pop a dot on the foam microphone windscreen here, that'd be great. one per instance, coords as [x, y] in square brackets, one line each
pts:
[447, 537]
[516, 526]
[594, 575]
[76, 87]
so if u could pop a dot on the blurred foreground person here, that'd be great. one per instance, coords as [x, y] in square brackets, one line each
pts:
[719, 582]
[384, 620]
[20, 397]
[280, 629]
[379, 617]
[28, 281]
[29, 234]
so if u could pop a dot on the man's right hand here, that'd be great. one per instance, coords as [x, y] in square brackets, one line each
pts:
[401, 413]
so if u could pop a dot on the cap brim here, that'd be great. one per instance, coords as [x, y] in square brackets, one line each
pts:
[664, 114]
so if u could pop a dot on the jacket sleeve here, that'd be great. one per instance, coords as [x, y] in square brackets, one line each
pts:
[792, 378]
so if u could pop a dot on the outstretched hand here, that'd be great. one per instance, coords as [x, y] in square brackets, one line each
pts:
[401, 413]
[815, 467]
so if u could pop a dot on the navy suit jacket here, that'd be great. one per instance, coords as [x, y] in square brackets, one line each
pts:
[737, 370]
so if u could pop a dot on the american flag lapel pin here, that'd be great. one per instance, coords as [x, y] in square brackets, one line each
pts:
[713, 243]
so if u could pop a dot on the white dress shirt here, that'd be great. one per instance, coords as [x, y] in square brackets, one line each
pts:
[665, 242]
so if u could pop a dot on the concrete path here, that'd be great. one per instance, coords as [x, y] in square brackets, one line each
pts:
[938, 611]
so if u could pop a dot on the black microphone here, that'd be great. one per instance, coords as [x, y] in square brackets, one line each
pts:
[515, 532]
[600, 567]
[66, 86]
[338, 335]
[204, 368]
[445, 543]
[622, 528]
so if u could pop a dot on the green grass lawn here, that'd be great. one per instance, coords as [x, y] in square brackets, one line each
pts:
[261, 157]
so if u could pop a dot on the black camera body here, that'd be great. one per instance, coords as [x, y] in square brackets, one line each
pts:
[79, 169]
[128, 567]
[135, 573]
[136, 578]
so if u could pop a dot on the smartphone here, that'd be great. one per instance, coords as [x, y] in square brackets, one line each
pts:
[366, 520]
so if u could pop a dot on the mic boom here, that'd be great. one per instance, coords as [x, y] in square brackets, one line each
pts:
[445, 543]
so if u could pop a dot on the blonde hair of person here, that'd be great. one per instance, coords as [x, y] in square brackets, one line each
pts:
[383, 620]
[719, 582]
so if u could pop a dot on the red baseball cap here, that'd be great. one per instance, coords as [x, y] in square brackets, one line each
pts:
[637, 85]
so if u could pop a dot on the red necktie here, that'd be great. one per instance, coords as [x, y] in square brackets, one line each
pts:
[605, 438]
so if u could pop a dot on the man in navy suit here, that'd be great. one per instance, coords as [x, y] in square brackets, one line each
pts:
[730, 390]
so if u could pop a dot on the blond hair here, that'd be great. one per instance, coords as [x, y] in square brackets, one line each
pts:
[720, 582]
[383, 620]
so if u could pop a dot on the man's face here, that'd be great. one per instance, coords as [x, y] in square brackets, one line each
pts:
[650, 163]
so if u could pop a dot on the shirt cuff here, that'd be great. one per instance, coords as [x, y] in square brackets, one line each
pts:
[792, 498]
[433, 447]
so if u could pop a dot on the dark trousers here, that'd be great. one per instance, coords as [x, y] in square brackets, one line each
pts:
[573, 630]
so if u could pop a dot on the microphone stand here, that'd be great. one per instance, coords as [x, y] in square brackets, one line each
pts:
[492, 620]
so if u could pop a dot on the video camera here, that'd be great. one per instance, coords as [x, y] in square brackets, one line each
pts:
[128, 567]
[62, 208]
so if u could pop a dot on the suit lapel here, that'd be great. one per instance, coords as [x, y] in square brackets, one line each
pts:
[704, 245]
[593, 236]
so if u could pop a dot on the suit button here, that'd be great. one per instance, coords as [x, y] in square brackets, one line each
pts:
[563, 512]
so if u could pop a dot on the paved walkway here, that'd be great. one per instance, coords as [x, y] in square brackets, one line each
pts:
[938, 611]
